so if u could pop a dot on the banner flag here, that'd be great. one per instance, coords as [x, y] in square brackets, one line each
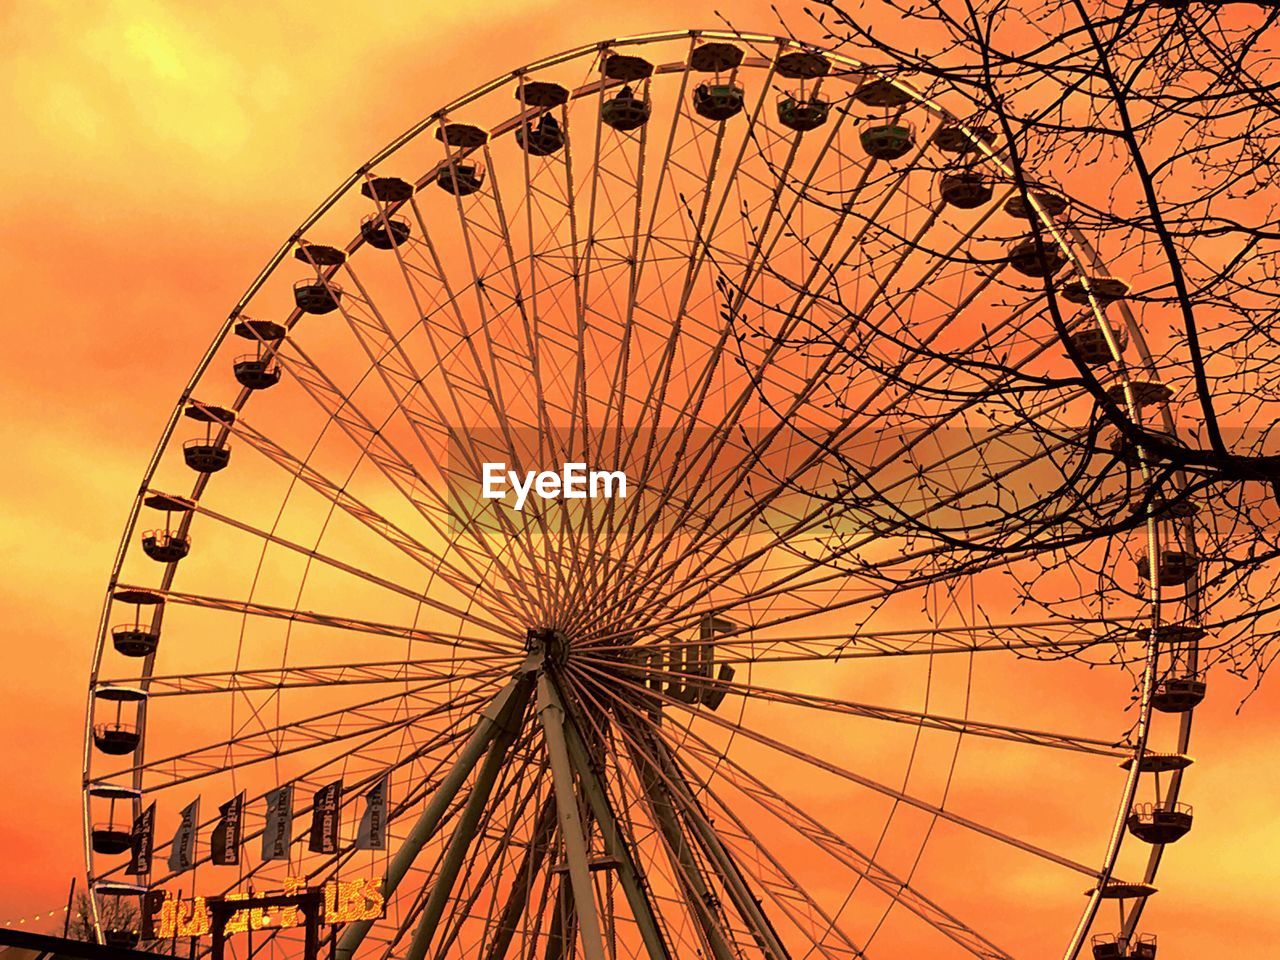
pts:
[144, 835]
[226, 835]
[277, 835]
[373, 825]
[324, 819]
[182, 853]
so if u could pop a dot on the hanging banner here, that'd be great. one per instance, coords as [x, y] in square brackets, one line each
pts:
[225, 845]
[182, 852]
[278, 832]
[372, 834]
[144, 834]
[325, 819]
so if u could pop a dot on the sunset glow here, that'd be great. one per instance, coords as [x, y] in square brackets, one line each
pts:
[158, 154]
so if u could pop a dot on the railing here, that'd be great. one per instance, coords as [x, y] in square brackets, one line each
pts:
[266, 362]
[318, 285]
[163, 538]
[106, 729]
[907, 128]
[375, 219]
[1148, 811]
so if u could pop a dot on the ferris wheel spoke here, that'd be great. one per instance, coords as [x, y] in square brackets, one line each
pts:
[403, 381]
[714, 445]
[627, 219]
[705, 216]
[611, 429]
[380, 717]
[717, 763]
[486, 241]
[705, 234]
[316, 675]
[902, 520]
[801, 524]
[338, 496]
[584, 264]
[745, 645]
[468, 396]
[810, 288]
[816, 293]
[318, 730]
[398, 469]
[401, 472]
[962, 726]
[642, 533]
[481, 384]
[581, 266]
[832, 843]
[691, 609]
[860, 419]
[612, 248]
[813, 606]
[552, 445]
[479, 645]
[823, 931]
[503, 303]
[906, 798]
[554, 298]
[642, 241]
[793, 582]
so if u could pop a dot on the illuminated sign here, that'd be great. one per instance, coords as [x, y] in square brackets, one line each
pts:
[344, 901]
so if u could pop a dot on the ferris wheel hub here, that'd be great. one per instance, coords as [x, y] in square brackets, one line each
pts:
[548, 645]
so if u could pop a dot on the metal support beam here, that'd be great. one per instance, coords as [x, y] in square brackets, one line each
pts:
[522, 882]
[451, 863]
[500, 712]
[688, 872]
[564, 923]
[633, 882]
[747, 905]
[575, 844]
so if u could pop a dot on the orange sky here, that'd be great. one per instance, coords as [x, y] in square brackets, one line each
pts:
[155, 155]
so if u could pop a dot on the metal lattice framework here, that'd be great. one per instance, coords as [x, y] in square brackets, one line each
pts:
[616, 728]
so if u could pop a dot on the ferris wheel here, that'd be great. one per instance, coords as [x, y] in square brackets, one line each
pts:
[691, 695]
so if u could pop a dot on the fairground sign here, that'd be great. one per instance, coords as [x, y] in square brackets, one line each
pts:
[166, 916]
